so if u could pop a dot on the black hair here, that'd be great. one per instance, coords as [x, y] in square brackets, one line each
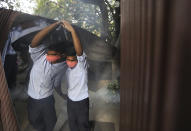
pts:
[70, 51]
[58, 47]
[63, 47]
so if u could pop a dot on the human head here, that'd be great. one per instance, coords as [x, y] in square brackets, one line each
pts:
[71, 59]
[56, 53]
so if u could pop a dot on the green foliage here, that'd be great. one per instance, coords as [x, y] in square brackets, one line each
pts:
[87, 16]
[10, 4]
[114, 86]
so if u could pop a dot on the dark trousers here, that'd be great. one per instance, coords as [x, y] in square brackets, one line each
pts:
[42, 114]
[78, 115]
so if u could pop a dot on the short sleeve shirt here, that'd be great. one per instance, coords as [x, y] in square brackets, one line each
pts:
[77, 80]
[44, 76]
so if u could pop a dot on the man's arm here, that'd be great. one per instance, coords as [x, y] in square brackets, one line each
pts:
[39, 36]
[76, 41]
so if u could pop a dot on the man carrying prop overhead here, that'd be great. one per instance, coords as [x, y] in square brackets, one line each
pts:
[77, 79]
[48, 67]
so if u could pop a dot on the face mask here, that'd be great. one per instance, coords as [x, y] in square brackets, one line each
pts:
[71, 64]
[52, 58]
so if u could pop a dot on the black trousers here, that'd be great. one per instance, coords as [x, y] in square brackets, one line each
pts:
[42, 114]
[78, 115]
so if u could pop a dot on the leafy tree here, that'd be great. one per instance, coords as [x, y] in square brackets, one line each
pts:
[10, 4]
[25, 6]
[84, 15]
[101, 17]
[97, 16]
[110, 12]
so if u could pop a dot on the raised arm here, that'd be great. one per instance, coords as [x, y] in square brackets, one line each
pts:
[40, 35]
[76, 41]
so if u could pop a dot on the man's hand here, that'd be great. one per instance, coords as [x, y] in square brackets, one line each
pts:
[67, 25]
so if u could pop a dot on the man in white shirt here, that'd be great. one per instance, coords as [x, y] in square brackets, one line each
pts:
[77, 79]
[45, 75]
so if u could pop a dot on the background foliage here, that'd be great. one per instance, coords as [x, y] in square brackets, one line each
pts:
[97, 16]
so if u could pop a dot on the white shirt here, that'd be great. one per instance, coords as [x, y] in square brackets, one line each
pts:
[77, 80]
[44, 76]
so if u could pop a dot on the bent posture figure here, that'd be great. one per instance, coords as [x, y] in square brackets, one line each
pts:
[45, 75]
[77, 79]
